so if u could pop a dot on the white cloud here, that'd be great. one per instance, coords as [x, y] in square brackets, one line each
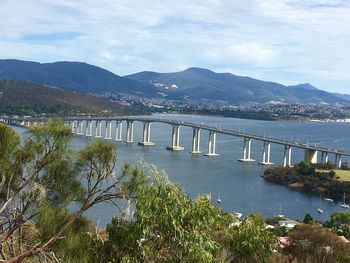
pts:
[306, 38]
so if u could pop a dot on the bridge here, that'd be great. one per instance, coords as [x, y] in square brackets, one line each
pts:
[92, 127]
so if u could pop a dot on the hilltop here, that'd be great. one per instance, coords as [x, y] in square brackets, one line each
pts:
[71, 75]
[199, 83]
[21, 97]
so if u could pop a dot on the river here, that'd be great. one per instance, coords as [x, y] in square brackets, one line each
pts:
[239, 185]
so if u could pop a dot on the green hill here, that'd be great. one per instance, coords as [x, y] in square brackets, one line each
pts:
[72, 75]
[25, 98]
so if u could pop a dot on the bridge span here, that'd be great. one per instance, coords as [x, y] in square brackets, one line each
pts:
[92, 127]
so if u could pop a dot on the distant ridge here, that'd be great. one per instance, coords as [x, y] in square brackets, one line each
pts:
[205, 84]
[71, 75]
[192, 83]
[21, 97]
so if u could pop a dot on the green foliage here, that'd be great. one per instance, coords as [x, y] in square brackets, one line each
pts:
[10, 160]
[167, 226]
[54, 166]
[308, 219]
[280, 231]
[72, 246]
[325, 166]
[304, 176]
[340, 222]
[176, 229]
[251, 242]
[340, 218]
[305, 168]
[101, 155]
[41, 179]
[123, 241]
[134, 179]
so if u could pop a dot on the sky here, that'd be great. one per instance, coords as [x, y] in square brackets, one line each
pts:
[286, 41]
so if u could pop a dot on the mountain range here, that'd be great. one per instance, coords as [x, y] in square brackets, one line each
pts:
[192, 83]
[201, 83]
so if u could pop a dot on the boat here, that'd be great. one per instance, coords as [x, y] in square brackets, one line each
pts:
[219, 199]
[328, 199]
[320, 210]
[280, 215]
[344, 205]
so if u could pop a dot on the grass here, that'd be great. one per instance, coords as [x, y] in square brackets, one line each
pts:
[344, 175]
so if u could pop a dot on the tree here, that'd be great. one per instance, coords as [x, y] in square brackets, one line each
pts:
[305, 168]
[41, 178]
[167, 226]
[340, 222]
[308, 219]
[251, 241]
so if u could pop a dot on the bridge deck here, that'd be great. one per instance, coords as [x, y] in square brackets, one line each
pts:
[203, 127]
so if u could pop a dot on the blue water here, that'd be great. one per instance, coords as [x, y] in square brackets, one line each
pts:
[239, 184]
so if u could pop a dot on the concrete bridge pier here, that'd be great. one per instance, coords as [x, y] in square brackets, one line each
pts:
[287, 159]
[77, 127]
[322, 157]
[212, 144]
[87, 123]
[310, 156]
[118, 130]
[71, 124]
[129, 131]
[175, 140]
[338, 160]
[266, 154]
[326, 158]
[88, 128]
[146, 135]
[246, 151]
[196, 137]
[80, 128]
[108, 130]
[98, 129]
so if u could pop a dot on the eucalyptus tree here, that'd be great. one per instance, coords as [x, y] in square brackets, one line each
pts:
[40, 178]
[250, 242]
[167, 226]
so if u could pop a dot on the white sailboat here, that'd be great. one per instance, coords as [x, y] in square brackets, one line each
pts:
[280, 215]
[219, 199]
[328, 199]
[344, 205]
[320, 210]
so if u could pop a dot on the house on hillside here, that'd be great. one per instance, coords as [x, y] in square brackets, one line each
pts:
[288, 223]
